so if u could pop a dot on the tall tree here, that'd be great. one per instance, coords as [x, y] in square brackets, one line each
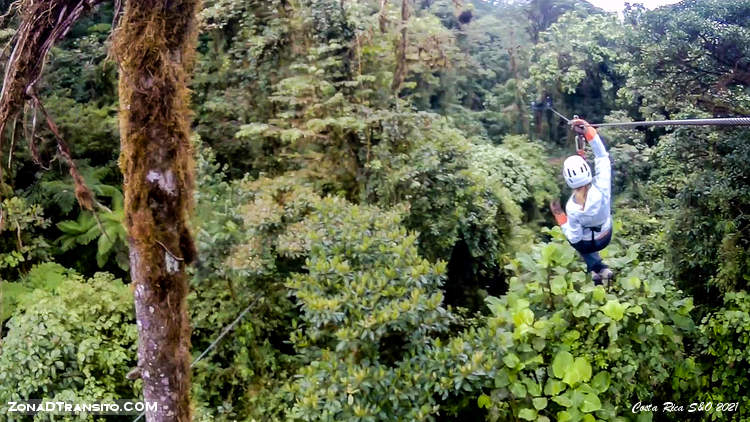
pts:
[400, 73]
[154, 45]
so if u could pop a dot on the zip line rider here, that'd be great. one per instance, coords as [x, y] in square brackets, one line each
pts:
[588, 223]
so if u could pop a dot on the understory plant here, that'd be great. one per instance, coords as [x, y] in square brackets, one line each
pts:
[564, 349]
[724, 346]
[74, 340]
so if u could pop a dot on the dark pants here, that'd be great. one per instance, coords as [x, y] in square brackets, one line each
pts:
[589, 250]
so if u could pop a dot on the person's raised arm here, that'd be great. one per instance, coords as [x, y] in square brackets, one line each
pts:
[603, 178]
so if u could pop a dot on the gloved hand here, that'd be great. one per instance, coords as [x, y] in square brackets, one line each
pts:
[557, 211]
[583, 127]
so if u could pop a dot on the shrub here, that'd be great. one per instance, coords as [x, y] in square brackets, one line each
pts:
[20, 240]
[76, 341]
[370, 306]
[558, 342]
[724, 343]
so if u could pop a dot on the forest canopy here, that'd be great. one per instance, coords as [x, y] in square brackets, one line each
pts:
[372, 181]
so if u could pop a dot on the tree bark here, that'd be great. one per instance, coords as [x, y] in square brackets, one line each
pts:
[523, 125]
[382, 19]
[155, 46]
[400, 73]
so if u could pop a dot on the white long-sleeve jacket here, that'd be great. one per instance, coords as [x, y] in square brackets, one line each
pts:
[595, 213]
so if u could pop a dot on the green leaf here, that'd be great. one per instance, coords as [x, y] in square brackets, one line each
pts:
[590, 403]
[539, 403]
[571, 336]
[484, 401]
[524, 316]
[613, 309]
[632, 283]
[496, 305]
[527, 414]
[583, 311]
[563, 360]
[550, 253]
[532, 387]
[683, 322]
[599, 294]
[535, 359]
[511, 360]
[576, 396]
[563, 400]
[637, 310]
[575, 298]
[501, 379]
[104, 246]
[580, 371]
[645, 417]
[601, 381]
[558, 285]
[612, 331]
[553, 387]
[518, 389]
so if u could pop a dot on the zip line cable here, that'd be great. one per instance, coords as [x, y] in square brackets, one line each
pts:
[721, 121]
[561, 116]
[224, 332]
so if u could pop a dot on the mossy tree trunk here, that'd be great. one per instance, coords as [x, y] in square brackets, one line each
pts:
[382, 18]
[155, 45]
[400, 73]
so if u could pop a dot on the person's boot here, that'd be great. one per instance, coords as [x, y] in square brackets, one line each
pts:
[596, 277]
[606, 275]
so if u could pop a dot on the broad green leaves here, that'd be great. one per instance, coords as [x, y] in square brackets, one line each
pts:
[614, 309]
[539, 403]
[601, 381]
[562, 362]
[21, 240]
[106, 227]
[578, 372]
[583, 337]
[725, 340]
[571, 370]
[511, 360]
[527, 414]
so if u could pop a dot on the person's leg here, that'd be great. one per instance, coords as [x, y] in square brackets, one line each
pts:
[589, 251]
[593, 262]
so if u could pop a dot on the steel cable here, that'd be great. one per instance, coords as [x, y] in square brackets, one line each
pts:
[724, 121]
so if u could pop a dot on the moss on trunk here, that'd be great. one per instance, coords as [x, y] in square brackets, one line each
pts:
[155, 46]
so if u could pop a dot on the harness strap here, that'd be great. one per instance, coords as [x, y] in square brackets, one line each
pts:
[595, 229]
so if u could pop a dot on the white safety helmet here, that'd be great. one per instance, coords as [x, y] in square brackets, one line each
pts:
[576, 172]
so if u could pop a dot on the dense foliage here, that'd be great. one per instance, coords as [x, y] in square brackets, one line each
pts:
[566, 348]
[373, 186]
[70, 339]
